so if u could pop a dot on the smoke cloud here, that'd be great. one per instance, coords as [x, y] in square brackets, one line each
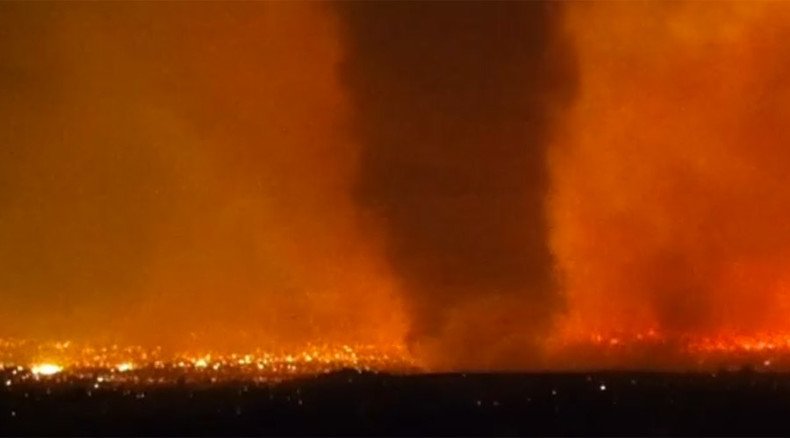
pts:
[454, 108]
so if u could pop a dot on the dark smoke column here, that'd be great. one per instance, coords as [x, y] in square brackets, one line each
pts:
[453, 105]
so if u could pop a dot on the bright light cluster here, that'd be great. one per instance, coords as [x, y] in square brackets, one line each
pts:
[114, 359]
[46, 369]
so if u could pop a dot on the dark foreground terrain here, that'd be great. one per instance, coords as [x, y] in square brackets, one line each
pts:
[350, 403]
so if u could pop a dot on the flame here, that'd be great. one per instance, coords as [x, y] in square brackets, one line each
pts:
[46, 369]
[124, 367]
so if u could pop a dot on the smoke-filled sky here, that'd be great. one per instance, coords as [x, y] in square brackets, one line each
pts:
[470, 179]
[183, 170]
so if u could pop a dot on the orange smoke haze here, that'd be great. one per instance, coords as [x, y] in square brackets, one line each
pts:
[179, 174]
[669, 201]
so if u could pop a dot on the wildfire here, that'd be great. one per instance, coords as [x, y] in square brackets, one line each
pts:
[649, 349]
[655, 221]
[736, 343]
[652, 349]
[694, 344]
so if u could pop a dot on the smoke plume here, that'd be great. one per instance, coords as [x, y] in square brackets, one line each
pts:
[454, 107]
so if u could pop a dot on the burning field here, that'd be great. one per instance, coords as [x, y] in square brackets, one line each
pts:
[29, 360]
